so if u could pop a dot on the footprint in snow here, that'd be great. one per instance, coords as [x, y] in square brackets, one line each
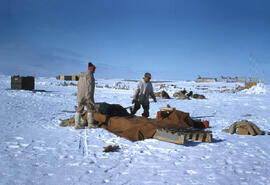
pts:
[220, 162]
[211, 177]
[229, 144]
[90, 171]
[24, 144]
[195, 182]
[249, 155]
[243, 143]
[124, 173]
[50, 174]
[239, 171]
[39, 148]
[205, 157]
[191, 172]
[13, 146]
[207, 166]
[106, 181]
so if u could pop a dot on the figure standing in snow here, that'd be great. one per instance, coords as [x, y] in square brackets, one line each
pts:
[85, 97]
[184, 92]
[143, 90]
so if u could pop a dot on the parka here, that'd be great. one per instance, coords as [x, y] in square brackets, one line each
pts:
[142, 92]
[86, 88]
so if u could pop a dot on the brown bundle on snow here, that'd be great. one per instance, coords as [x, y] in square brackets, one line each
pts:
[180, 96]
[163, 95]
[136, 128]
[111, 148]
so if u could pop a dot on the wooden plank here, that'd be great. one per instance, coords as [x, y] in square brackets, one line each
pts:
[201, 137]
[209, 138]
[179, 141]
[164, 135]
[182, 139]
[194, 136]
[166, 109]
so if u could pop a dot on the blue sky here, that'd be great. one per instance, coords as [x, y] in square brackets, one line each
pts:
[178, 39]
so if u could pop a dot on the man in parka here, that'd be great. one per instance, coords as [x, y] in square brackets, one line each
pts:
[85, 97]
[143, 90]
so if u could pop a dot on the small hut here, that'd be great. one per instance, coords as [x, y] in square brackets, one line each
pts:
[67, 78]
[200, 79]
[24, 83]
[75, 76]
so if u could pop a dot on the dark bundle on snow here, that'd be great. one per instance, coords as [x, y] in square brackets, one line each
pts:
[112, 109]
[198, 96]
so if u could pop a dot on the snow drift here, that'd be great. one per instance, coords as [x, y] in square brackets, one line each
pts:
[260, 88]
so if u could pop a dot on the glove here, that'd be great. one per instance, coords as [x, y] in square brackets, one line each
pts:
[155, 100]
[133, 101]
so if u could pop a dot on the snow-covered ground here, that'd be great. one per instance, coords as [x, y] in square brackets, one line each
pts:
[34, 149]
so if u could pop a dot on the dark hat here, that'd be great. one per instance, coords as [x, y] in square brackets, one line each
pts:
[147, 75]
[91, 66]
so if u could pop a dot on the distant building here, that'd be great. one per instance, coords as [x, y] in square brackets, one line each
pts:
[200, 79]
[23, 82]
[235, 79]
[68, 78]
[241, 79]
[75, 76]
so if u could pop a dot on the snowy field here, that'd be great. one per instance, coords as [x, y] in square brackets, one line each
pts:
[34, 149]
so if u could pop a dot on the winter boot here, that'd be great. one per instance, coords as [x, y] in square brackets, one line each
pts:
[145, 114]
[90, 120]
[145, 111]
[78, 121]
[132, 112]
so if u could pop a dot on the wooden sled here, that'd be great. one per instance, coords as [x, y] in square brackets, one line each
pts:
[181, 136]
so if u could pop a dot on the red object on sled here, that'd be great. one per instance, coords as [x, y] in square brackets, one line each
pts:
[159, 115]
[162, 114]
[206, 123]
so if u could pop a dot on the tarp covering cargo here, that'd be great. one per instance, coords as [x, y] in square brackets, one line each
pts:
[132, 128]
[136, 128]
[117, 120]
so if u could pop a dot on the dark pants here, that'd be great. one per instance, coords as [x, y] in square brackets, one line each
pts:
[137, 106]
